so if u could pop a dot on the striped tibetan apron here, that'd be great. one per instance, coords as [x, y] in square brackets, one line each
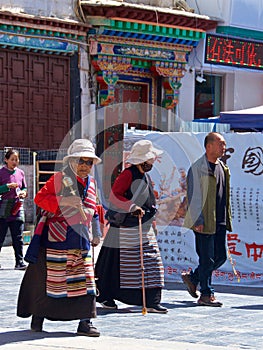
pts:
[130, 261]
[70, 273]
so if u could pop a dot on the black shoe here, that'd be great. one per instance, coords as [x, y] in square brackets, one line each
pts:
[109, 304]
[37, 323]
[87, 328]
[159, 309]
[20, 266]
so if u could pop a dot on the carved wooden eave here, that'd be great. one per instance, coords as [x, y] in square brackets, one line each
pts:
[41, 34]
[147, 13]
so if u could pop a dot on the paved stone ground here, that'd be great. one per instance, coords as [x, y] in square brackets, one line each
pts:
[237, 325]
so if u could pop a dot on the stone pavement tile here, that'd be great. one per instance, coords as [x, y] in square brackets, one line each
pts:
[20, 340]
[237, 325]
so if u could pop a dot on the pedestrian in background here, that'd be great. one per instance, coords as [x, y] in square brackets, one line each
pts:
[118, 268]
[13, 190]
[209, 215]
[59, 283]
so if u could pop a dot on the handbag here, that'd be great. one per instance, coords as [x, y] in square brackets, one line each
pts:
[115, 217]
[118, 218]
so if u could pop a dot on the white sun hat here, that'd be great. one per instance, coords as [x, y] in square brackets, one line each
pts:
[82, 148]
[142, 151]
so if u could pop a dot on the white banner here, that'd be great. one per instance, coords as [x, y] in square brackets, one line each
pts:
[244, 156]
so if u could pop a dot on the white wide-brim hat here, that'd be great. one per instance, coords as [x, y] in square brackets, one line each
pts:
[142, 151]
[82, 148]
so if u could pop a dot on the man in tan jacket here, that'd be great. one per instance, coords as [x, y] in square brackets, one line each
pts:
[209, 216]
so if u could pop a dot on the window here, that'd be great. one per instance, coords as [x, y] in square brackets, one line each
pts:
[207, 96]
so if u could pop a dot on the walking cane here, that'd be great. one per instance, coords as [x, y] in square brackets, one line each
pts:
[93, 265]
[144, 309]
[233, 265]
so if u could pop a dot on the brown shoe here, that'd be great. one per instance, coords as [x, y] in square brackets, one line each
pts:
[189, 284]
[206, 300]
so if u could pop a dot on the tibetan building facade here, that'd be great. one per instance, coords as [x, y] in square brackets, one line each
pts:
[109, 63]
[55, 72]
[139, 55]
[141, 45]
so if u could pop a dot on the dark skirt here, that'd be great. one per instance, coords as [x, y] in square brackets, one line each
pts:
[32, 299]
[107, 272]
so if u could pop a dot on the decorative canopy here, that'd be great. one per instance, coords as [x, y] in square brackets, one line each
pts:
[129, 38]
[41, 34]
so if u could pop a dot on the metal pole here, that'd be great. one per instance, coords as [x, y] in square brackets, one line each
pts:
[34, 183]
[144, 309]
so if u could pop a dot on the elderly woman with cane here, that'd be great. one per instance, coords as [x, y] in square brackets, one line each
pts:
[129, 266]
[59, 283]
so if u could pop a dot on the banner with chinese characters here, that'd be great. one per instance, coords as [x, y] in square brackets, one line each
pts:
[244, 156]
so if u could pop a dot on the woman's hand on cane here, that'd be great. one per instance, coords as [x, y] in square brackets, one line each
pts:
[137, 211]
[95, 241]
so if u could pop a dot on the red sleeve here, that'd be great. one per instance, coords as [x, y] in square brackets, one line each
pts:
[47, 197]
[119, 189]
[101, 213]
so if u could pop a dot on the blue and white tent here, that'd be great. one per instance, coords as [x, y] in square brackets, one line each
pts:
[246, 119]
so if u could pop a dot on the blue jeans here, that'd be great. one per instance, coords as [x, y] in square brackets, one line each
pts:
[16, 230]
[211, 250]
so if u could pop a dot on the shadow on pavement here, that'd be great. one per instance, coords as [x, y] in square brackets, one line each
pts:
[104, 311]
[244, 290]
[19, 336]
[249, 307]
[177, 304]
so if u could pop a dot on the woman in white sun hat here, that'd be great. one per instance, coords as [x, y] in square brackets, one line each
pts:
[59, 282]
[118, 266]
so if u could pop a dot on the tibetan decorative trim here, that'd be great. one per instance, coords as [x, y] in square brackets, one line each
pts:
[170, 70]
[113, 64]
[49, 46]
[41, 34]
[171, 92]
[110, 66]
[146, 52]
[38, 23]
[23, 30]
[103, 39]
[107, 96]
[155, 29]
[173, 72]
[162, 50]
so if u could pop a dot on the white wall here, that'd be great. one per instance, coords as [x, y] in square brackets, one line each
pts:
[63, 9]
[242, 89]
[238, 13]
[214, 8]
[248, 89]
[247, 14]
[185, 109]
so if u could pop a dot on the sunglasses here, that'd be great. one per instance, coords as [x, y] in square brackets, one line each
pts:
[82, 161]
